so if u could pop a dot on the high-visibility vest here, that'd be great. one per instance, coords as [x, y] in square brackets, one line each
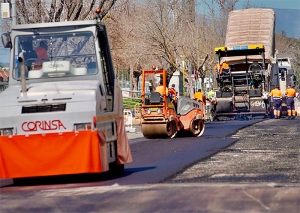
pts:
[41, 55]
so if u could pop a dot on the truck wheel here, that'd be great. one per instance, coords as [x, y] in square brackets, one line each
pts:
[171, 129]
[115, 168]
[19, 181]
[197, 127]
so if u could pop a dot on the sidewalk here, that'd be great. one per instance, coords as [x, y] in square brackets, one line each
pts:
[135, 136]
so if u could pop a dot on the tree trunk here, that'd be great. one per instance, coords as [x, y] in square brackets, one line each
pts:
[131, 80]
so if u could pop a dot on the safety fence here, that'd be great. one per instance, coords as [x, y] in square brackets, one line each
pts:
[127, 93]
[132, 117]
[131, 106]
[128, 120]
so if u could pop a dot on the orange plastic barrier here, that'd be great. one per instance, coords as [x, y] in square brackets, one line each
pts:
[50, 154]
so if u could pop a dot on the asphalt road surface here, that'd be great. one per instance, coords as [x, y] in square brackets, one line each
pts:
[268, 151]
[154, 183]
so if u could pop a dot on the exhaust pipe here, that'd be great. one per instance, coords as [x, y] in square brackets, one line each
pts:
[23, 77]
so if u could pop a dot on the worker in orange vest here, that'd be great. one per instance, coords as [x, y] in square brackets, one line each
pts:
[290, 102]
[161, 88]
[225, 67]
[198, 96]
[173, 93]
[276, 94]
[42, 54]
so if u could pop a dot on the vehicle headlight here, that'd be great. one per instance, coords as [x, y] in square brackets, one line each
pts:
[82, 126]
[7, 131]
[159, 111]
[147, 111]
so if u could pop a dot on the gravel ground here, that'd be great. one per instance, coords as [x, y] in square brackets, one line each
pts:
[268, 151]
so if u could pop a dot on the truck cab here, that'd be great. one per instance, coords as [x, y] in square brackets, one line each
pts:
[62, 82]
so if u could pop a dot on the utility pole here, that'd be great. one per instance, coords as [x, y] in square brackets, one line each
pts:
[190, 4]
[14, 12]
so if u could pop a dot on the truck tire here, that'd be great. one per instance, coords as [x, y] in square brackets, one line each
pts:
[115, 168]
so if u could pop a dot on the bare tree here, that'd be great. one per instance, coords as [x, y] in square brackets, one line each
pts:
[287, 47]
[36, 11]
[130, 52]
[163, 30]
[296, 62]
[199, 44]
[143, 35]
[163, 36]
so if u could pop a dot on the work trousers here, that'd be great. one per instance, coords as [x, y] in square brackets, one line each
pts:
[290, 104]
[277, 104]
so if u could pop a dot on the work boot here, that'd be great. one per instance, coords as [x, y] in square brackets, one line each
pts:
[293, 117]
[288, 118]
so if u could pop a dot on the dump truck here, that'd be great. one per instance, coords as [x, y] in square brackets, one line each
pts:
[62, 112]
[163, 116]
[249, 52]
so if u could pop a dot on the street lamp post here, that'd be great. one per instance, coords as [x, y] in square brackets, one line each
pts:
[13, 12]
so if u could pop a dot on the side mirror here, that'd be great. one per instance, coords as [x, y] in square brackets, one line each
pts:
[6, 41]
[293, 80]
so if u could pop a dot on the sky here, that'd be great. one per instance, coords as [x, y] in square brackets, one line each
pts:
[278, 4]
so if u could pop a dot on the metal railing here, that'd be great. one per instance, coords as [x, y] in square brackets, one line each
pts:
[3, 86]
[131, 93]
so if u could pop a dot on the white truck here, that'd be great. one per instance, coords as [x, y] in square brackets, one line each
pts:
[286, 78]
[62, 112]
[286, 73]
[250, 53]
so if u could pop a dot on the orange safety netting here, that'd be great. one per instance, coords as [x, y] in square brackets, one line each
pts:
[51, 154]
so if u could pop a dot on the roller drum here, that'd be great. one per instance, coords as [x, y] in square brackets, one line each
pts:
[165, 130]
[224, 105]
